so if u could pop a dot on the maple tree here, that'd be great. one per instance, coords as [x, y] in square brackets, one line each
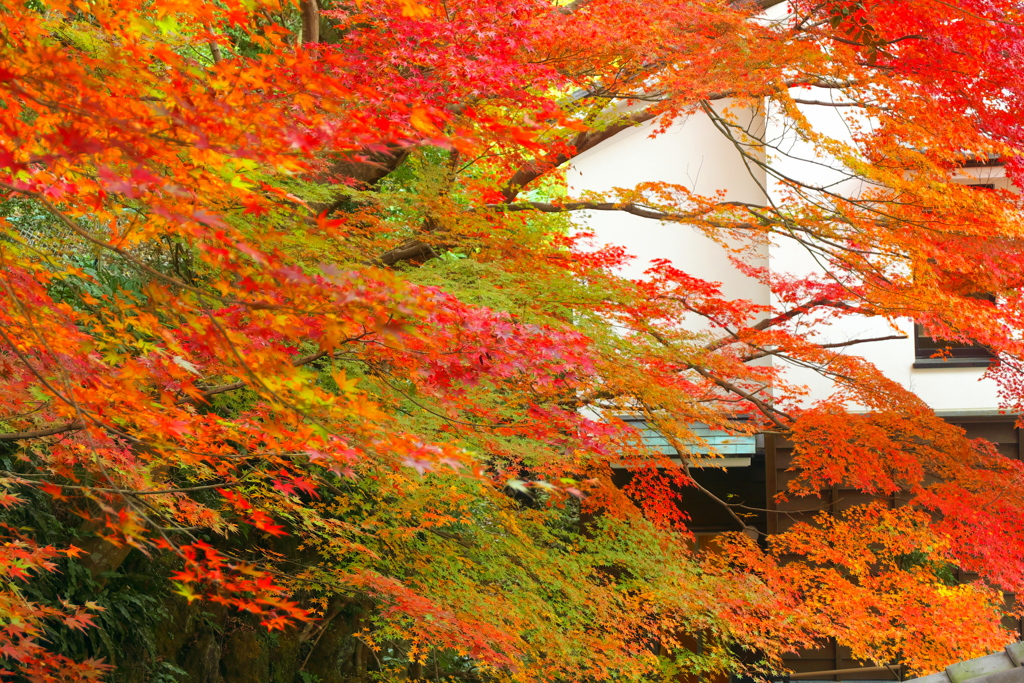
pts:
[277, 273]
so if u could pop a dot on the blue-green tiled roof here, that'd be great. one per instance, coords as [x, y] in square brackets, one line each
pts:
[718, 442]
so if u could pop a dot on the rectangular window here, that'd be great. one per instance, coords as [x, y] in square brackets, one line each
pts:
[942, 353]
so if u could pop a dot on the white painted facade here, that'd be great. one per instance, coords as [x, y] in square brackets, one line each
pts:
[692, 153]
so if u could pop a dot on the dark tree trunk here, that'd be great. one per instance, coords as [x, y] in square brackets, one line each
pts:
[310, 22]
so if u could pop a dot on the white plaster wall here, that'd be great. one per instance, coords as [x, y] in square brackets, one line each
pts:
[694, 154]
[954, 390]
[691, 153]
[957, 390]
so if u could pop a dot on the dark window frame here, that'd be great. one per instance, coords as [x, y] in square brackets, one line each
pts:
[942, 353]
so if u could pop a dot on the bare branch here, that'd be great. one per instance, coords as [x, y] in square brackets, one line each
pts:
[763, 353]
[625, 207]
[804, 308]
[822, 103]
[582, 142]
[588, 140]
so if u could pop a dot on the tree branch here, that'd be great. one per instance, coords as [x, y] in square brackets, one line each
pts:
[408, 250]
[74, 425]
[625, 207]
[589, 139]
[370, 167]
[804, 308]
[763, 353]
[766, 409]
[582, 142]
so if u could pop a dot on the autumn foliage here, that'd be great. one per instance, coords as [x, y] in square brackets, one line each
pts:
[291, 295]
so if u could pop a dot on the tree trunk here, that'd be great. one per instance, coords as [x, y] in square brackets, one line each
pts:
[310, 22]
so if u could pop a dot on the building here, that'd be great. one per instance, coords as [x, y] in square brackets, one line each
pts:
[693, 153]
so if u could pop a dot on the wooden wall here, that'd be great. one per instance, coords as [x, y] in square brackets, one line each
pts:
[1000, 430]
